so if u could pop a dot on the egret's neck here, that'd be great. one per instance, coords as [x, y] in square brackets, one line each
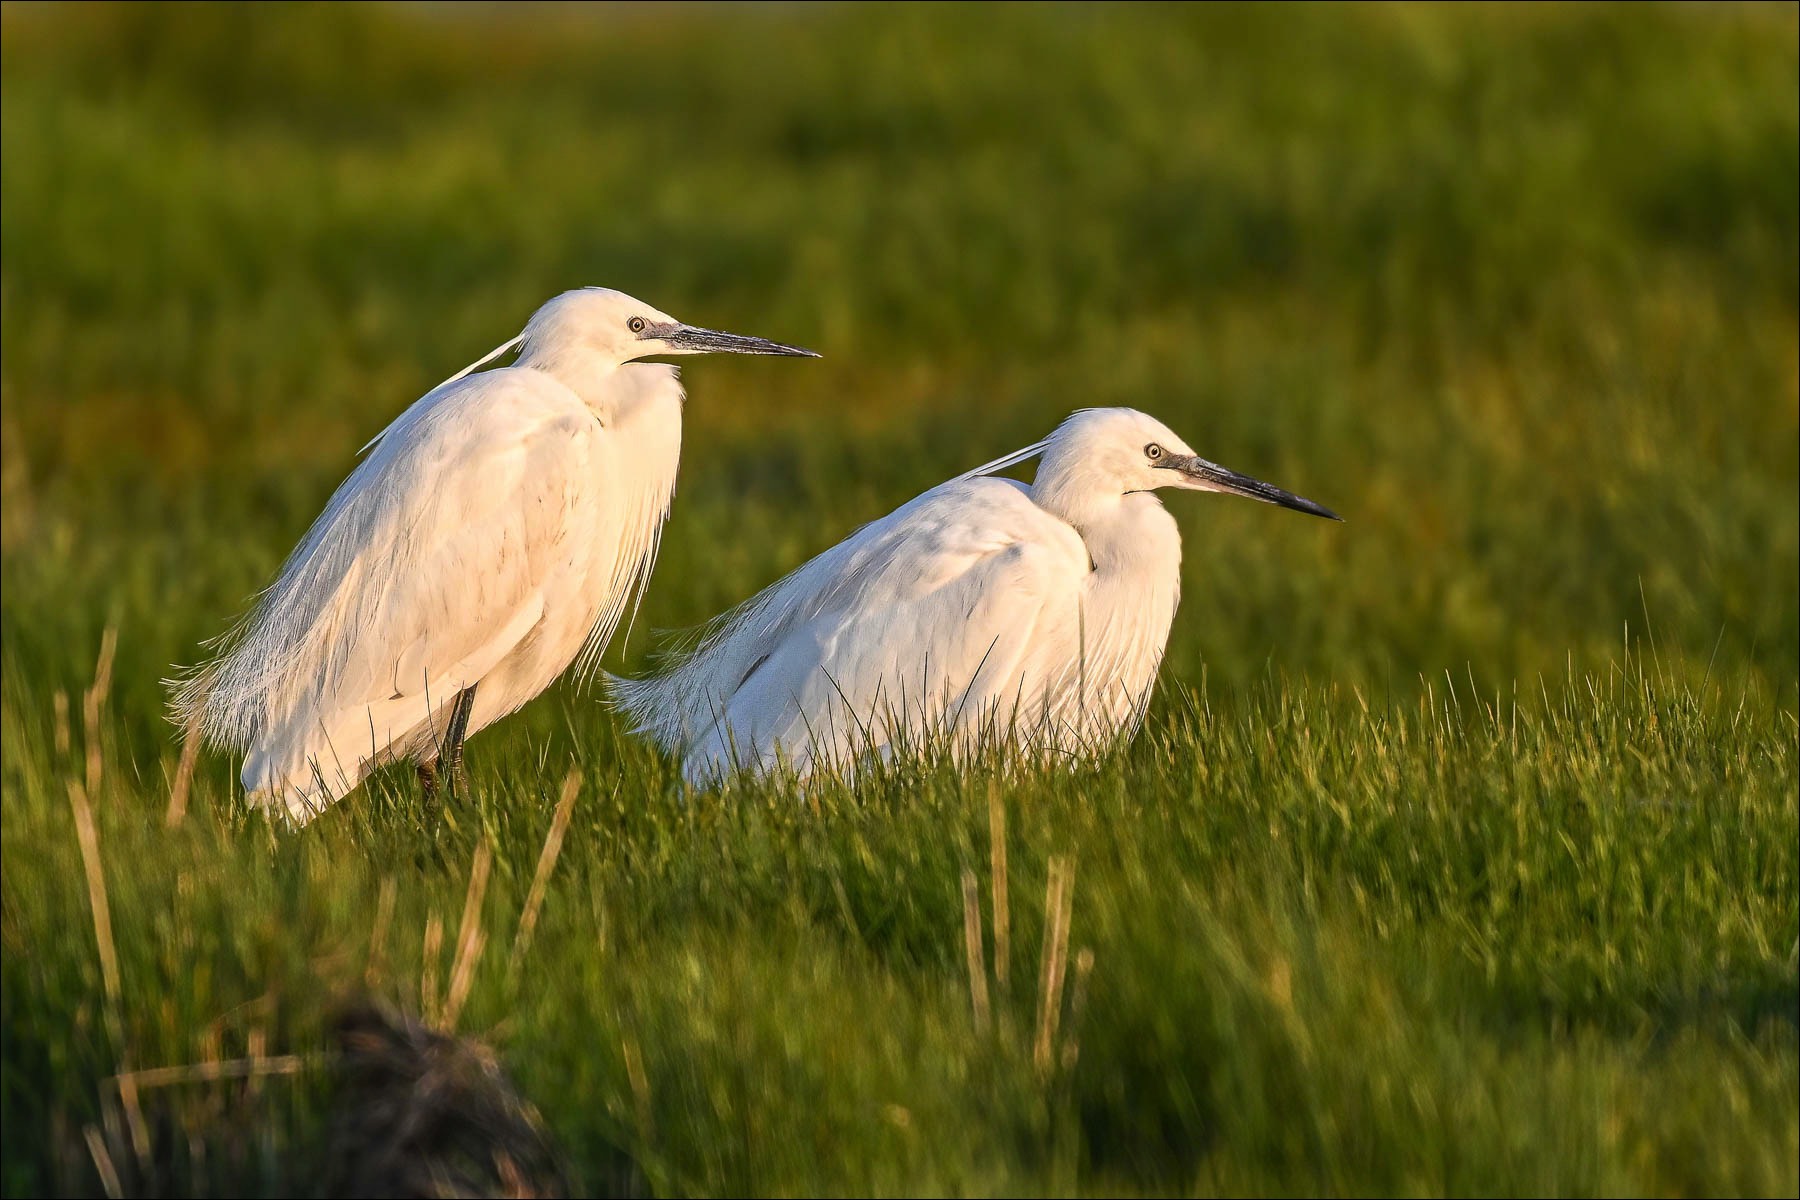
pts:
[1129, 598]
[638, 403]
[591, 374]
[1132, 536]
[643, 400]
[1112, 524]
[1131, 539]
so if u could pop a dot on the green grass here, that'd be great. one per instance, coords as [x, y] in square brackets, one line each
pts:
[1458, 853]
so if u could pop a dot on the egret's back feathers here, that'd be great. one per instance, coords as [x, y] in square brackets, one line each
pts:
[488, 504]
[973, 612]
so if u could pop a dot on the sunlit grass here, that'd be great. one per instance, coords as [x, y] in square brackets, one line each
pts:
[1459, 850]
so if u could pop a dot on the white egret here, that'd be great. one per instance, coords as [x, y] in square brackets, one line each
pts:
[497, 530]
[984, 610]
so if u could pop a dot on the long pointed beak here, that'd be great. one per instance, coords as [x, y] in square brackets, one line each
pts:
[1211, 477]
[694, 340]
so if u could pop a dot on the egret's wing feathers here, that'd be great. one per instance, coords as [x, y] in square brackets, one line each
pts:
[425, 569]
[924, 618]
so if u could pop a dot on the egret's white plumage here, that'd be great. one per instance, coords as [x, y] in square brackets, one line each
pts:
[496, 532]
[983, 611]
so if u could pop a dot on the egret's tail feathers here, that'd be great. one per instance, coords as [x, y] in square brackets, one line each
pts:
[300, 790]
[190, 702]
[653, 711]
[302, 776]
[659, 709]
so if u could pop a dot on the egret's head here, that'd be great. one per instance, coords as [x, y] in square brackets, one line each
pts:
[622, 329]
[1117, 451]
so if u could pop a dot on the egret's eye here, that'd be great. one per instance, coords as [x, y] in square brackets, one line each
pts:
[636, 324]
[1153, 451]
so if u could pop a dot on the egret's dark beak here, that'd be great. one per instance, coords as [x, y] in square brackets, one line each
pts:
[690, 339]
[1211, 477]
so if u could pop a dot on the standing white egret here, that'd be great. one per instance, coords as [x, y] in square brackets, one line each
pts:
[984, 610]
[497, 530]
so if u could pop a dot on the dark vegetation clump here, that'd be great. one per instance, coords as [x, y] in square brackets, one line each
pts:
[423, 1113]
[393, 1107]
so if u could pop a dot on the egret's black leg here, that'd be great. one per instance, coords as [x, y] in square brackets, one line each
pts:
[428, 778]
[454, 734]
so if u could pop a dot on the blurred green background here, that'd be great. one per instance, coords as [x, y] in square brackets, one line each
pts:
[1514, 288]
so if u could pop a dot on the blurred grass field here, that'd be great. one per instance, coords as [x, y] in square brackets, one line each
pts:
[1458, 853]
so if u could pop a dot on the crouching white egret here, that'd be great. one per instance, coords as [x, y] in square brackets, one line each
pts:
[497, 531]
[985, 610]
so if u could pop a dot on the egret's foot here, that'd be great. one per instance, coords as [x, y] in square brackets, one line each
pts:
[456, 776]
[454, 735]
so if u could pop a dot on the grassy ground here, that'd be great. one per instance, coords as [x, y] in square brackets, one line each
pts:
[1459, 851]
